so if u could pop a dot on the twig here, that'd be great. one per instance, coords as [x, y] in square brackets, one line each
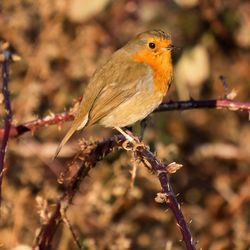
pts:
[133, 173]
[89, 158]
[225, 85]
[68, 224]
[53, 119]
[8, 117]
[160, 170]
[56, 119]
[211, 104]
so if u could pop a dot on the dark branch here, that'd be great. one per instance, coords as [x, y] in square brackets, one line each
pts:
[8, 117]
[167, 106]
[211, 104]
[160, 170]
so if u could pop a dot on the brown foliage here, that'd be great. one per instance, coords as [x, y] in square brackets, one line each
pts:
[61, 46]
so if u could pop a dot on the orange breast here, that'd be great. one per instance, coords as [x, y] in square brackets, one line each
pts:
[162, 77]
[161, 66]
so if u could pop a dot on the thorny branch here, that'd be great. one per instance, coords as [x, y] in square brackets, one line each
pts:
[7, 120]
[210, 104]
[159, 169]
[89, 157]
[167, 106]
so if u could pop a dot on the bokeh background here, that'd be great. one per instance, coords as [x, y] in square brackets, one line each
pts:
[61, 43]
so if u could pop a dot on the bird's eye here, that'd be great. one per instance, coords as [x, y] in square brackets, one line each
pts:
[151, 45]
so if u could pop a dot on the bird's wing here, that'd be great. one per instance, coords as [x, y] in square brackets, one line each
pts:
[113, 83]
[108, 99]
[119, 90]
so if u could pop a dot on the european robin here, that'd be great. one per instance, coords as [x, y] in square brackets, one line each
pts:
[129, 86]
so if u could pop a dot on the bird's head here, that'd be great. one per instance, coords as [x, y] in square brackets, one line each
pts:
[151, 47]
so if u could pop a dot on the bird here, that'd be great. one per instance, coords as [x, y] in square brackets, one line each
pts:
[129, 86]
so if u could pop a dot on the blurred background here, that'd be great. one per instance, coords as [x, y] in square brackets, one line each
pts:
[61, 43]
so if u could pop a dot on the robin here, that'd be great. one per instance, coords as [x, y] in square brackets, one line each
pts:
[129, 86]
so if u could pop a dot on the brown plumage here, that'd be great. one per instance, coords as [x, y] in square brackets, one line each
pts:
[129, 86]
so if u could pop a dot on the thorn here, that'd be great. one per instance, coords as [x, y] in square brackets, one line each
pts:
[232, 94]
[52, 114]
[160, 197]
[178, 225]
[15, 58]
[59, 126]
[173, 167]
[225, 85]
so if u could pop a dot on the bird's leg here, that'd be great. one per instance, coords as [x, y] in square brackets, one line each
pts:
[134, 140]
[144, 123]
[128, 137]
[128, 128]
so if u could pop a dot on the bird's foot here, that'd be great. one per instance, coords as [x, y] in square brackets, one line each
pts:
[126, 135]
[143, 124]
[130, 139]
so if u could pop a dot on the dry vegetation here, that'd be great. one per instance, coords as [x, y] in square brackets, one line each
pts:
[61, 43]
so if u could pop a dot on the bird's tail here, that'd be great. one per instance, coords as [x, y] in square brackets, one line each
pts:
[76, 125]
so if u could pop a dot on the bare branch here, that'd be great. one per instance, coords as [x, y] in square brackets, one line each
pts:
[89, 157]
[39, 123]
[6, 54]
[56, 119]
[70, 227]
[159, 169]
[211, 104]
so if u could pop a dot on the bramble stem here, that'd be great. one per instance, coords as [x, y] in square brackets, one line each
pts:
[167, 106]
[8, 117]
